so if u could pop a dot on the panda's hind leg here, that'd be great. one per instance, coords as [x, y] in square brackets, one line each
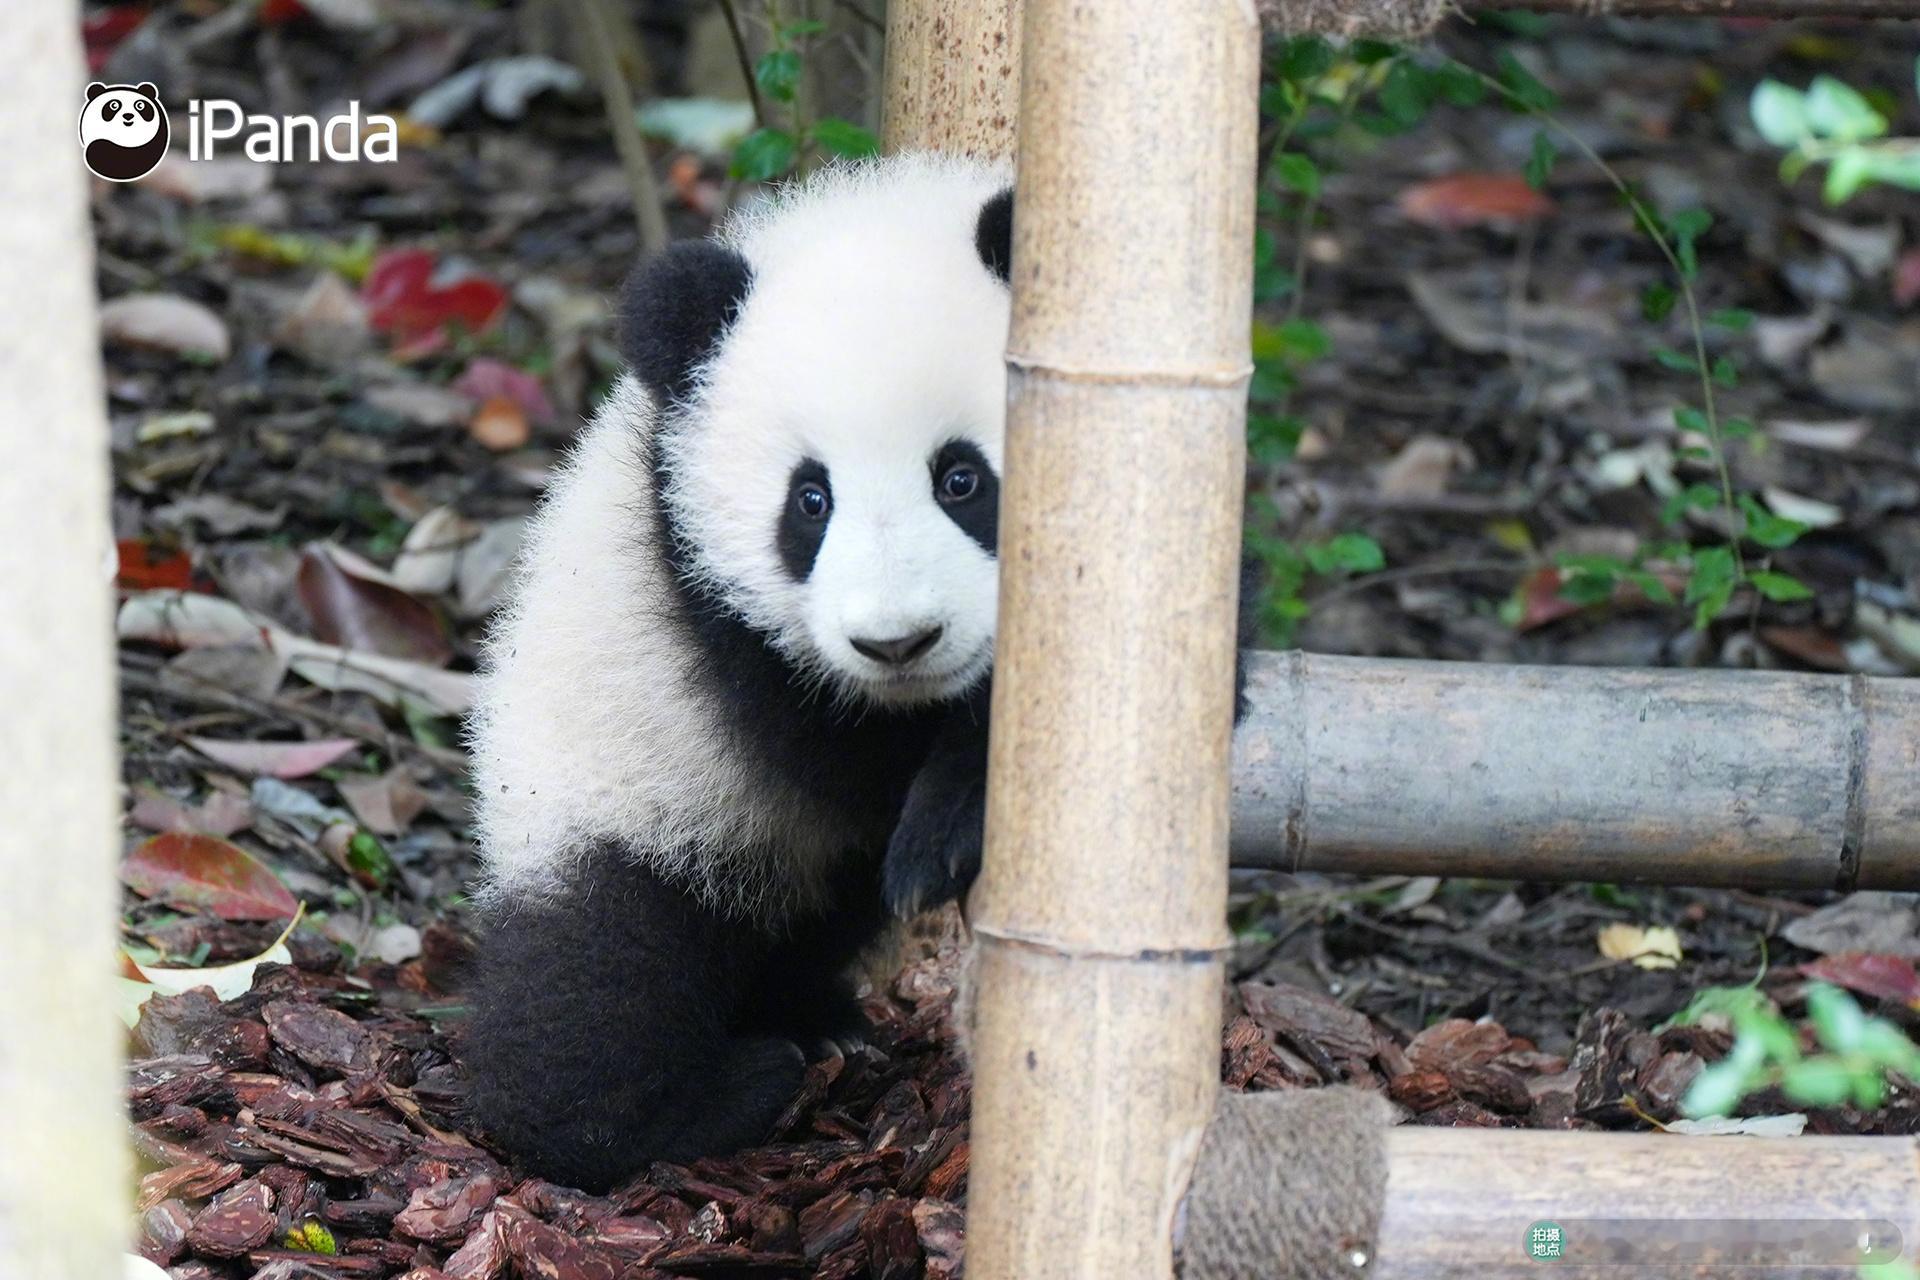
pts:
[604, 1030]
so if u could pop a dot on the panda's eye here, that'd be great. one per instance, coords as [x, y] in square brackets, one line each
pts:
[146, 112]
[112, 108]
[958, 483]
[811, 501]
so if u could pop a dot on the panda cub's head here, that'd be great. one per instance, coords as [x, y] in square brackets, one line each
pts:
[123, 129]
[831, 383]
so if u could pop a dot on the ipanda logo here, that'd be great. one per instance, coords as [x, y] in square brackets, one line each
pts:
[124, 132]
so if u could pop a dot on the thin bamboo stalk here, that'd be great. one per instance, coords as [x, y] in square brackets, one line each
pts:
[63, 1167]
[1461, 1204]
[1753, 779]
[1099, 917]
[952, 76]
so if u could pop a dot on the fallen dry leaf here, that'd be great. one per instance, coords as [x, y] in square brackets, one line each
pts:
[1884, 977]
[203, 873]
[165, 322]
[275, 759]
[499, 425]
[1648, 948]
[360, 607]
[1473, 200]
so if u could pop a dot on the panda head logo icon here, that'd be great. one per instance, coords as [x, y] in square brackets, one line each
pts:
[123, 130]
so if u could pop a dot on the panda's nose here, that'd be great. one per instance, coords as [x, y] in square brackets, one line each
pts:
[126, 117]
[900, 651]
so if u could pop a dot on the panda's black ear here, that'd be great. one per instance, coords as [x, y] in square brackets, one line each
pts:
[675, 306]
[993, 235]
[147, 87]
[94, 90]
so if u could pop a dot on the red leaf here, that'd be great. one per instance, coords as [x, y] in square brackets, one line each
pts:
[1541, 602]
[202, 873]
[275, 13]
[1473, 200]
[274, 759]
[1906, 278]
[1882, 976]
[403, 302]
[356, 611]
[142, 568]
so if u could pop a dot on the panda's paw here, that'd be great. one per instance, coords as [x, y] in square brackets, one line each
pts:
[934, 854]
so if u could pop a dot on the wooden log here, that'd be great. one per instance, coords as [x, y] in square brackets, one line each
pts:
[1752, 779]
[63, 1167]
[952, 76]
[1463, 1204]
[1099, 917]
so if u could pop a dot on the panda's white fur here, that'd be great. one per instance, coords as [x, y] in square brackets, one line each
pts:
[872, 332]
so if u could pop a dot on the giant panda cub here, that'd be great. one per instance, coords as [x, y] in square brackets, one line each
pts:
[735, 713]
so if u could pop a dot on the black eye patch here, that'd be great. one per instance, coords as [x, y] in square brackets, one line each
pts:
[803, 518]
[965, 486]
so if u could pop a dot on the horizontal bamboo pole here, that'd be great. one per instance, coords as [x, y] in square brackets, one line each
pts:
[1463, 1204]
[1755, 779]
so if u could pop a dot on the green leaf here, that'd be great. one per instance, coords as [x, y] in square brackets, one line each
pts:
[1717, 1089]
[1726, 372]
[1779, 587]
[1695, 497]
[1668, 358]
[844, 138]
[1780, 113]
[1688, 418]
[764, 154]
[1273, 438]
[1897, 164]
[1540, 163]
[1766, 528]
[802, 28]
[370, 859]
[1368, 52]
[1840, 113]
[1586, 589]
[1738, 429]
[1354, 552]
[1298, 172]
[1656, 302]
[1650, 586]
[1521, 86]
[1710, 584]
[778, 73]
[1306, 58]
[1686, 227]
[1732, 318]
[1405, 94]
[1817, 1082]
[1459, 85]
[1836, 1019]
[1847, 172]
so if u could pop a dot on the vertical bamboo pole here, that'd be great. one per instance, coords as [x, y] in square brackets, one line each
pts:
[1100, 918]
[62, 1168]
[952, 76]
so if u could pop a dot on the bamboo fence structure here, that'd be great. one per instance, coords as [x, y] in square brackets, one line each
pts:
[1752, 779]
[63, 1165]
[1099, 919]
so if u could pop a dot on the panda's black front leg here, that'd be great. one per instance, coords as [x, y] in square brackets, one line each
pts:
[934, 853]
[808, 991]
